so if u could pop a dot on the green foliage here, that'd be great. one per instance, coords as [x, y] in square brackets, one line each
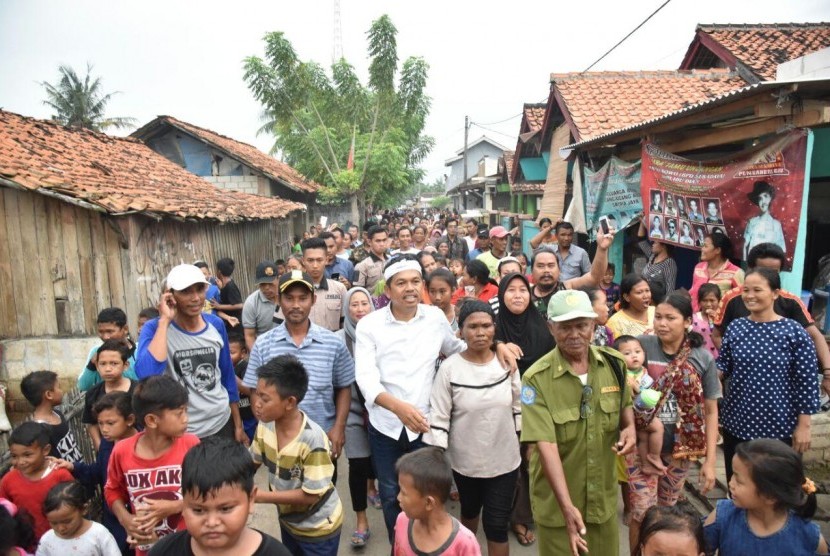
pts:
[81, 102]
[441, 202]
[314, 116]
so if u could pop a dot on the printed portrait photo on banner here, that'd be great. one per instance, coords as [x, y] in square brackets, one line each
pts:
[670, 210]
[656, 230]
[763, 228]
[686, 237]
[681, 206]
[713, 215]
[694, 210]
[671, 228]
[716, 230]
[656, 202]
[700, 235]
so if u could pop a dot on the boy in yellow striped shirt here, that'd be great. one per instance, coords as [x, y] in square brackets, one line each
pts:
[297, 453]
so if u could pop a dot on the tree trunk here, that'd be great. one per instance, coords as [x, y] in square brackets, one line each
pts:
[355, 211]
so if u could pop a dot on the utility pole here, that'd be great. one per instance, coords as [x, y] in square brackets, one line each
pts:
[337, 43]
[466, 133]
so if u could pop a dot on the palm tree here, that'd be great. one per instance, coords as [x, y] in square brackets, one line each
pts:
[81, 103]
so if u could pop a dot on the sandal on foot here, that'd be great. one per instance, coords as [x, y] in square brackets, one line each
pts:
[360, 538]
[524, 535]
[374, 501]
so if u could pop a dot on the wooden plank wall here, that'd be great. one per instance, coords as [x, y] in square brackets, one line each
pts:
[60, 265]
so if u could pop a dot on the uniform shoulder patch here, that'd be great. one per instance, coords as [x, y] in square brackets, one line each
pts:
[528, 395]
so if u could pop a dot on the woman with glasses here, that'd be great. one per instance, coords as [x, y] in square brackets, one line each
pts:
[686, 376]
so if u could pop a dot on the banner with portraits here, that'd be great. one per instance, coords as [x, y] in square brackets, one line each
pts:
[753, 197]
[612, 191]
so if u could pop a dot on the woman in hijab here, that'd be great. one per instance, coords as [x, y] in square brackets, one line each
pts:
[357, 303]
[520, 323]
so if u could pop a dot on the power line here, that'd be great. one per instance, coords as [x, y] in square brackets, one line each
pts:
[492, 130]
[663, 5]
[506, 119]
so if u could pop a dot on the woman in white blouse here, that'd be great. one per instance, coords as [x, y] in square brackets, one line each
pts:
[475, 413]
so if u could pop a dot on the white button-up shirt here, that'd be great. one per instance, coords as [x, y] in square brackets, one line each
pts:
[399, 357]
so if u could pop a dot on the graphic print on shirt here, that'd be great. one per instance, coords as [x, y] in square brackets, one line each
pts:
[669, 412]
[197, 367]
[68, 448]
[157, 483]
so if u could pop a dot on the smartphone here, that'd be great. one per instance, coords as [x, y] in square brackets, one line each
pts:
[603, 224]
[335, 276]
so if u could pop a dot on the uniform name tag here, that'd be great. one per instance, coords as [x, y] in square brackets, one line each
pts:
[609, 389]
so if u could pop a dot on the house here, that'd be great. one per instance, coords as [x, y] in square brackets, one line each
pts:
[754, 51]
[89, 221]
[480, 151]
[232, 164]
[527, 166]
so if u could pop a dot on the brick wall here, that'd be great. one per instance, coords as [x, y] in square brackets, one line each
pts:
[65, 356]
[246, 184]
[820, 446]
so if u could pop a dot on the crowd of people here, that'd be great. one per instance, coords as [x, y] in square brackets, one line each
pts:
[444, 362]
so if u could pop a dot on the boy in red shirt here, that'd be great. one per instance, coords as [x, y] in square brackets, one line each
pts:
[145, 470]
[29, 482]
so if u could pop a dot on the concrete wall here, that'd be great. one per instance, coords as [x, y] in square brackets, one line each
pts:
[256, 185]
[19, 357]
[820, 446]
[474, 155]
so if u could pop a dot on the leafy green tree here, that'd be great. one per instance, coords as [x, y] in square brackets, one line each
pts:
[316, 118]
[81, 102]
[440, 202]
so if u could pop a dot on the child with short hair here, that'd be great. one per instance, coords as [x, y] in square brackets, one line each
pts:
[42, 389]
[424, 526]
[145, 315]
[17, 536]
[770, 507]
[111, 324]
[457, 268]
[31, 477]
[218, 486]
[112, 360]
[310, 511]
[649, 432]
[611, 288]
[116, 421]
[72, 534]
[144, 471]
[671, 530]
[239, 358]
[708, 299]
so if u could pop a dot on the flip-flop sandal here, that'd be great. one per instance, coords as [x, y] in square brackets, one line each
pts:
[374, 501]
[360, 538]
[523, 538]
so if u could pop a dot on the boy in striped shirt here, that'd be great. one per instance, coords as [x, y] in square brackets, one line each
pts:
[296, 452]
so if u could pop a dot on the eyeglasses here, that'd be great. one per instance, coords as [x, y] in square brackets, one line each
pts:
[585, 410]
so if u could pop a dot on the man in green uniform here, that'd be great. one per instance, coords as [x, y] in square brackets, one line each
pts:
[576, 408]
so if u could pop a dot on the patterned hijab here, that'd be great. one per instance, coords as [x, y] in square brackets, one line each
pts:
[349, 323]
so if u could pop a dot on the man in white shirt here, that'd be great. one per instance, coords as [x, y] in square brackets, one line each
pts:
[405, 243]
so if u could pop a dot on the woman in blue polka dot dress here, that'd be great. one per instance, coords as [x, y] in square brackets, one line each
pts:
[773, 370]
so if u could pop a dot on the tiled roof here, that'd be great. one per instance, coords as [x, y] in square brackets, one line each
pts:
[245, 153]
[117, 175]
[534, 115]
[599, 102]
[761, 47]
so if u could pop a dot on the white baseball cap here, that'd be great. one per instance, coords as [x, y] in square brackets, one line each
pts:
[183, 276]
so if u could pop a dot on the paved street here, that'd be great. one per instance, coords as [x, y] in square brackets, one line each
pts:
[265, 519]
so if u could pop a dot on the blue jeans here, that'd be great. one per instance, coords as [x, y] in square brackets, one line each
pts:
[385, 453]
[299, 547]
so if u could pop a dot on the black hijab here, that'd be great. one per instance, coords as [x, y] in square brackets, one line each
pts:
[528, 330]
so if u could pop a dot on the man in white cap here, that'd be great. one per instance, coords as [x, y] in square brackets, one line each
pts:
[576, 409]
[192, 347]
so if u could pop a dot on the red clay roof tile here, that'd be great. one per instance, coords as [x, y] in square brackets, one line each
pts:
[761, 47]
[248, 154]
[600, 102]
[534, 115]
[118, 174]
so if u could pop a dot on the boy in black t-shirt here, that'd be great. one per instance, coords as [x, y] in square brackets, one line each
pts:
[231, 301]
[239, 358]
[219, 494]
[43, 391]
[111, 362]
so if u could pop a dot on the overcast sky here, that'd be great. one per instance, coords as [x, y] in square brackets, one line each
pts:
[184, 58]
